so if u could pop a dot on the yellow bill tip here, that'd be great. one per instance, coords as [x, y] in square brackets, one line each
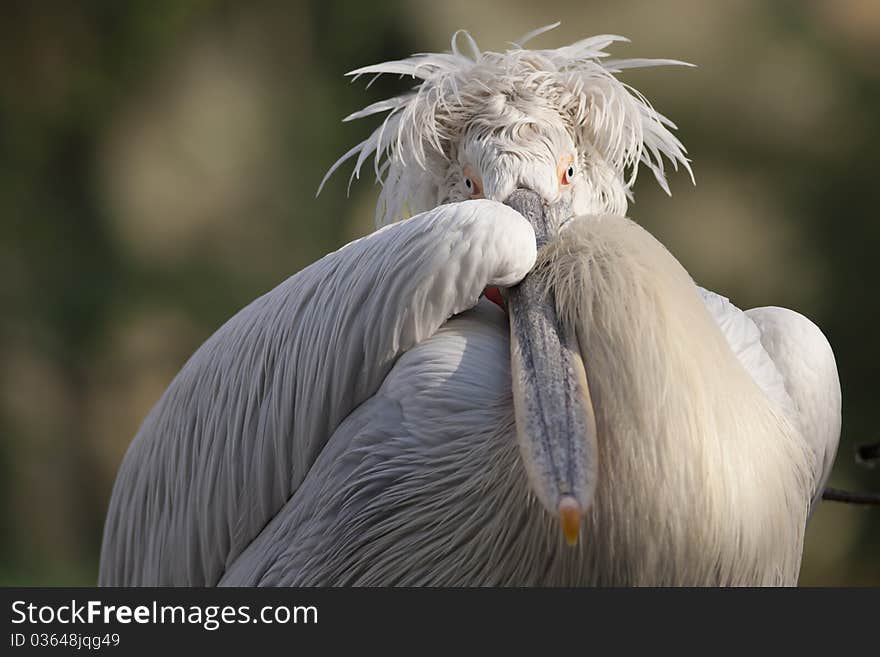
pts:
[570, 519]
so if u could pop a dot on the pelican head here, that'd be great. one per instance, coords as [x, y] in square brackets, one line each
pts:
[555, 135]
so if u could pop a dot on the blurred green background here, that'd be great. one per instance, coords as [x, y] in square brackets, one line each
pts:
[159, 158]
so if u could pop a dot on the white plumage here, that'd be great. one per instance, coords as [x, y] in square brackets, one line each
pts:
[356, 425]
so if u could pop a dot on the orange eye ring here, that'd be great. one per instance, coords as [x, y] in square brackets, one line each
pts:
[566, 170]
[472, 184]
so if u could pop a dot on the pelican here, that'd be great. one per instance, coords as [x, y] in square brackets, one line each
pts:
[508, 383]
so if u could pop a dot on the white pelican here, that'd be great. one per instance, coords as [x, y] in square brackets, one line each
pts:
[373, 420]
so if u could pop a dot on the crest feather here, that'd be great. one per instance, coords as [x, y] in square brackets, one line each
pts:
[421, 126]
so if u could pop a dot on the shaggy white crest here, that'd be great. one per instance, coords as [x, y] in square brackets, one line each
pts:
[505, 93]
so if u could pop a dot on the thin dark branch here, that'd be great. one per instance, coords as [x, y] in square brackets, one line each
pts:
[838, 495]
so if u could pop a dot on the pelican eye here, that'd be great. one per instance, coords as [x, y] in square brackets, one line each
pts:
[565, 170]
[472, 183]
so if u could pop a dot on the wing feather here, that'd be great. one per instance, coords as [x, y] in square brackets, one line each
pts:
[241, 425]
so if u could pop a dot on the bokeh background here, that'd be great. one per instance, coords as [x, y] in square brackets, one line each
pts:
[158, 167]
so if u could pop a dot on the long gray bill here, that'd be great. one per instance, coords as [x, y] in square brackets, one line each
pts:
[556, 425]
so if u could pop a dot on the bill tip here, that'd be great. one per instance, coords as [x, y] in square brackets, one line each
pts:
[570, 519]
